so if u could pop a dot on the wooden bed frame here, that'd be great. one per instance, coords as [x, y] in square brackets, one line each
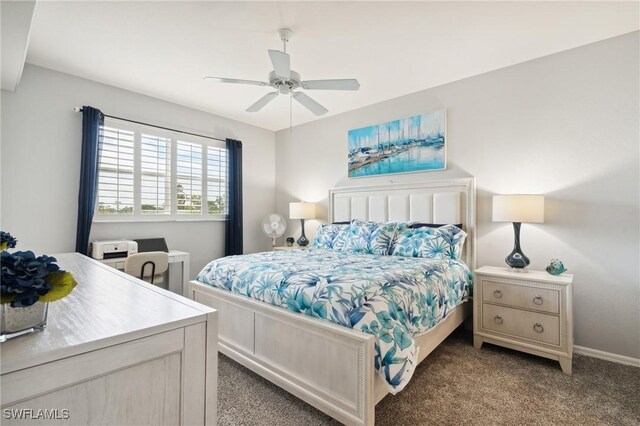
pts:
[326, 365]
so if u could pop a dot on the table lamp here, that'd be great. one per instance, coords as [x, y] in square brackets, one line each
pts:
[518, 209]
[302, 211]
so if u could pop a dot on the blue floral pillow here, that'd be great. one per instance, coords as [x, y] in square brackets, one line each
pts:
[401, 229]
[357, 239]
[326, 235]
[382, 238]
[445, 242]
[369, 237]
[340, 241]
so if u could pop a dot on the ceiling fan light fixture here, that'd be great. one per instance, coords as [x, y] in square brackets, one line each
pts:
[293, 81]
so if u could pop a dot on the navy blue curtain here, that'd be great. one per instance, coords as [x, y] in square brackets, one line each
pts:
[92, 119]
[233, 234]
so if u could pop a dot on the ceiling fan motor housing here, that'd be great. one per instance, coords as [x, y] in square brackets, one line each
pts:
[284, 86]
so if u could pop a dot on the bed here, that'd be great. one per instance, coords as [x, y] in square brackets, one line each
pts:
[326, 364]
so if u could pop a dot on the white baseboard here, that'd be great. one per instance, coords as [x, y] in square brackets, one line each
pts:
[607, 356]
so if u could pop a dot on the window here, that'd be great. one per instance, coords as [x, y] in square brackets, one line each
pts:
[147, 173]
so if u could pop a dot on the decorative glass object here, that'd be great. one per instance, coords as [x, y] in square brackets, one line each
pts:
[16, 322]
[556, 267]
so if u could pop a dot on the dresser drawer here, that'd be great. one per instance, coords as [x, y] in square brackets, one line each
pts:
[528, 325]
[521, 296]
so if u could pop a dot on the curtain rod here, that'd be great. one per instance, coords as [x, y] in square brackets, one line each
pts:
[78, 109]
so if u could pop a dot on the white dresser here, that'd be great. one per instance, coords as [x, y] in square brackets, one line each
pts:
[528, 311]
[117, 351]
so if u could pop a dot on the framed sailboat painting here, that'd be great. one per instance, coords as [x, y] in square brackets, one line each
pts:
[414, 144]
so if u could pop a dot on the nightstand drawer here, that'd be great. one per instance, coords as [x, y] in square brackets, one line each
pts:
[521, 296]
[528, 325]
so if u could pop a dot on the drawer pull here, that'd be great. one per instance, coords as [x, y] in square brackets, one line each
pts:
[537, 300]
[497, 294]
[498, 319]
[538, 328]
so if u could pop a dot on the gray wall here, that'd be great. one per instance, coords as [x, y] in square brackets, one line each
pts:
[41, 145]
[565, 126]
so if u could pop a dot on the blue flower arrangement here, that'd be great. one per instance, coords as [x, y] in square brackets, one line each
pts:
[7, 241]
[27, 278]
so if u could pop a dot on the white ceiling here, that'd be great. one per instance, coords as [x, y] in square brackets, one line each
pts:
[164, 49]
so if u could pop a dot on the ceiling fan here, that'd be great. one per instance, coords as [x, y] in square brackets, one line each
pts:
[285, 81]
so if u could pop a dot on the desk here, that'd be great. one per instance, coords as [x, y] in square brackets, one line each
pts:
[175, 256]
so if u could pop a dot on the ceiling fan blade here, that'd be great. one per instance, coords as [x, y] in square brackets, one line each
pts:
[310, 104]
[281, 64]
[236, 81]
[339, 84]
[262, 102]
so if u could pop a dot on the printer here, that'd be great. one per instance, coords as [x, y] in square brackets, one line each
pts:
[113, 249]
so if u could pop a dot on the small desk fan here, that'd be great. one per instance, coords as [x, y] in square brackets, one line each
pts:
[274, 225]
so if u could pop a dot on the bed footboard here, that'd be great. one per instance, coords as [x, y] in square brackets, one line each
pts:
[328, 366]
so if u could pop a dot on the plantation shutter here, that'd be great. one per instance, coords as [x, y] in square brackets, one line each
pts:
[217, 180]
[189, 178]
[115, 171]
[155, 168]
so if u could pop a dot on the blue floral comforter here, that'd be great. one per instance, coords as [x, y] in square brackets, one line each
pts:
[391, 297]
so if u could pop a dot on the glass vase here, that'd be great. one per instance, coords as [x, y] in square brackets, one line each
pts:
[16, 322]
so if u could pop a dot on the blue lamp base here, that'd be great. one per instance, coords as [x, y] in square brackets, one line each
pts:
[302, 241]
[516, 259]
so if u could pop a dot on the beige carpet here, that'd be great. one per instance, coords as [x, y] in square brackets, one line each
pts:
[459, 385]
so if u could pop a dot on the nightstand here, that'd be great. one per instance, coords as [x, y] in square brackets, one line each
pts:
[293, 247]
[527, 311]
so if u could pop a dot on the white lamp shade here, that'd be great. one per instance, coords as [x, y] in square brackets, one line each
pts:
[518, 208]
[302, 210]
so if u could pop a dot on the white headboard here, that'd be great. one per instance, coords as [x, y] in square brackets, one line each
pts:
[446, 201]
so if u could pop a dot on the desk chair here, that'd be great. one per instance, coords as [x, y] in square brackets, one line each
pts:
[149, 266]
